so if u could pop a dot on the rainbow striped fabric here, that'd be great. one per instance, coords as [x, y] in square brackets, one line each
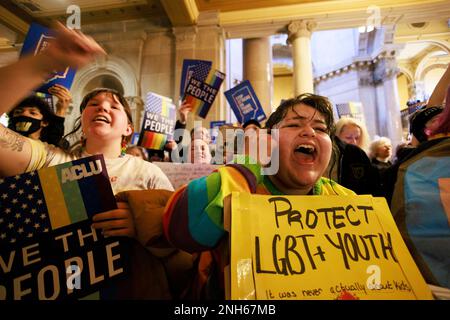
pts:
[158, 123]
[213, 83]
[193, 218]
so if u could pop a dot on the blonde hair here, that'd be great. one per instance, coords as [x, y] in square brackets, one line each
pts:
[377, 143]
[346, 121]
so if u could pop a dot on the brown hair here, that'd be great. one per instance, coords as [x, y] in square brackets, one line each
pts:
[116, 95]
[320, 103]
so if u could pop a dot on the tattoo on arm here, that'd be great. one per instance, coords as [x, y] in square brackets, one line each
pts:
[11, 140]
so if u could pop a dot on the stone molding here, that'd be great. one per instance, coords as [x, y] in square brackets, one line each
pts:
[383, 66]
[300, 28]
[185, 36]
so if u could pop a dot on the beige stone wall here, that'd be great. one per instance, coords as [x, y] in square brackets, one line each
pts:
[157, 73]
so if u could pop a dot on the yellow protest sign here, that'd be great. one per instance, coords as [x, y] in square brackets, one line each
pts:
[319, 247]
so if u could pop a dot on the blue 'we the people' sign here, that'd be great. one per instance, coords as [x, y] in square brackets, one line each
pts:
[245, 103]
[38, 39]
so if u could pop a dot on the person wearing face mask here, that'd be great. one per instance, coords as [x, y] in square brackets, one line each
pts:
[33, 117]
[105, 126]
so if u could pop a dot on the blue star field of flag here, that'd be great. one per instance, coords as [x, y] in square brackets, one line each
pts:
[23, 212]
[153, 103]
[200, 71]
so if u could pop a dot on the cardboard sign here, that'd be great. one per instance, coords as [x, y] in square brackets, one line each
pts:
[48, 249]
[180, 174]
[319, 247]
[159, 122]
[201, 94]
[244, 103]
[193, 68]
[37, 40]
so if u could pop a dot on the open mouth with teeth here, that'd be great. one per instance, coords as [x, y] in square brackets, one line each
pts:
[101, 119]
[305, 153]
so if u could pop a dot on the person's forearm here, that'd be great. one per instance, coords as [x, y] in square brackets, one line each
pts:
[438, 95]
[19, 79]
[62, 111]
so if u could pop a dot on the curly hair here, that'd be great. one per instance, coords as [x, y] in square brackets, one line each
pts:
[320, 103]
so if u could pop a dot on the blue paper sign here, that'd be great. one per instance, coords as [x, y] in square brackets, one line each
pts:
[245, 103]
[134, 138]
[214, 124]
[197, 68]
[37, 39]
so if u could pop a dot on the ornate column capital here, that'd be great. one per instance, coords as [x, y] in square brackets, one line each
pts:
[385, 66]
[185, 36]
[300, 28]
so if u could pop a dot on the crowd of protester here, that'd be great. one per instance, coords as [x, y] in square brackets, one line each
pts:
[317, 156]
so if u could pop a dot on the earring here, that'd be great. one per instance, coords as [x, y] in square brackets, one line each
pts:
[123, 147]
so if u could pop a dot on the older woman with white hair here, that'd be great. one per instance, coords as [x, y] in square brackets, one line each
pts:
[381, 152]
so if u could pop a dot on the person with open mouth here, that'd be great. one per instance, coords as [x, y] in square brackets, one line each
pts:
[299, 134]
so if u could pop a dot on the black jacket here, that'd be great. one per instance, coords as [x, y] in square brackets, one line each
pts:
[54, 132]
[355, 171]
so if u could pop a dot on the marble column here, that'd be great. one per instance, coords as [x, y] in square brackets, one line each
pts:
[300, 38]
[210, 45]
[184, 49]
[258, 69]
[204, 41]
[367, 96]
[385, 79]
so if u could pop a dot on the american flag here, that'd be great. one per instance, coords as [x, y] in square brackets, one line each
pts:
[153, 103]
[200, 72]
[23, 212]
[160, 105]
[197, 68]
[40, 201]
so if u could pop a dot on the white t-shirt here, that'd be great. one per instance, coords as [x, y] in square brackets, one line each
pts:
[125, 173]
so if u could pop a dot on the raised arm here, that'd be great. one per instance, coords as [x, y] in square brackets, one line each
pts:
[69, 48]
[438, 95]
[64, 98]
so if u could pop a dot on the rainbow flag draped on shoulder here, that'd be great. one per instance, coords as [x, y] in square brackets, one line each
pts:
[48, 249]
[159, 122]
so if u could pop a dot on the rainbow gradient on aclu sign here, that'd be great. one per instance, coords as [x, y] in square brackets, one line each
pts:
[158, 123]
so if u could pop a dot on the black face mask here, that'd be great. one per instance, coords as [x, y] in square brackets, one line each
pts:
[24, 125]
